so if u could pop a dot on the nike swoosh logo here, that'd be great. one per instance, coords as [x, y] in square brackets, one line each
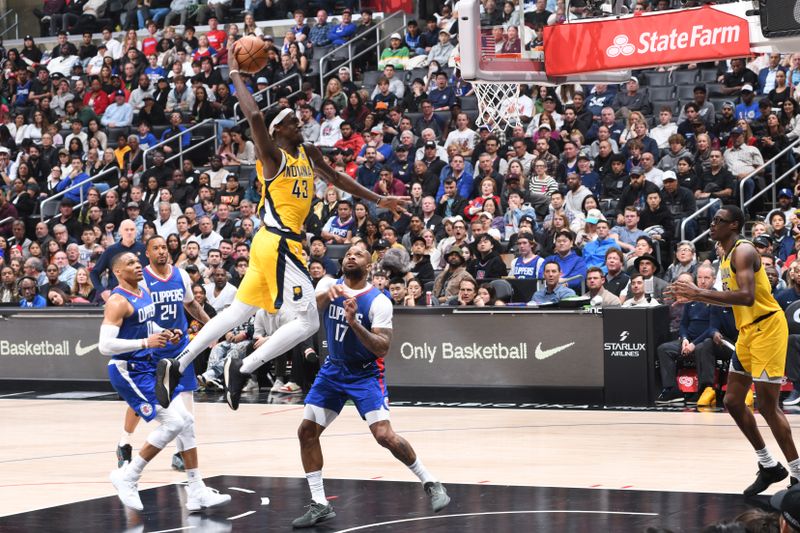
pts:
[544, 354]
[80, 351]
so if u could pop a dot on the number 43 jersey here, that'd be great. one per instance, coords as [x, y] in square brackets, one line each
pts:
[374, 310]
[169, 294]
[286, 197]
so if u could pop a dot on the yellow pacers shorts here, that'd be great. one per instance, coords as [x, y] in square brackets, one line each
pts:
[761, 349]
[276, 273]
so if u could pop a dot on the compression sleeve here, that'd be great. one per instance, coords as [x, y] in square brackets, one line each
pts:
[111, 345]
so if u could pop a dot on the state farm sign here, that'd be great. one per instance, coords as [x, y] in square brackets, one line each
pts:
[685, 36]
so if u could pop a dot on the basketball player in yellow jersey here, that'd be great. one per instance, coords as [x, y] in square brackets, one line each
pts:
[760, 349]
[277, 279]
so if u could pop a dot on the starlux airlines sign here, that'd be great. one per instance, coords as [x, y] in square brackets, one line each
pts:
[684, 36]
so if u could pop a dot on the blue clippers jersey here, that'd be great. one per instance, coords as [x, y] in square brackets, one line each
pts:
[136, 326]
[168, 296]
[530, 270]
[343, 345]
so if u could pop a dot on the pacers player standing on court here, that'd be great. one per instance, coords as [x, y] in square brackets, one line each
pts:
[358, 324]
[171, 291]
[760, 354]
[277, 277]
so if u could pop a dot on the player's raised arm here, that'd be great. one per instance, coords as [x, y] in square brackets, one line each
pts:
[266, 149]
[348, 184]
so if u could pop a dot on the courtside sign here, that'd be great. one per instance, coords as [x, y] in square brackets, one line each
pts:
[685, 36]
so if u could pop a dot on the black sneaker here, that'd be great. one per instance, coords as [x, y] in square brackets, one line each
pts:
[316, 513]
[234, 381]
[438, 495]
[168, 374]
[669, 397]
[764, 478]
[692, 398]
[177, 463]
[124, 455]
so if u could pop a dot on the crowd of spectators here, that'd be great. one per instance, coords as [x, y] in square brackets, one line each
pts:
[586, 193]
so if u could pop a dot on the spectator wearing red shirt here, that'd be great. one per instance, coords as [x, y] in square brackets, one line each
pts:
[475, 206]
[388, 185]
[97, 99]
[350, 139]
[150, 43]
[216, 37]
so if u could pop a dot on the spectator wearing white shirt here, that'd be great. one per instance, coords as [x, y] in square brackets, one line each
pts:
[637, 296]
[330, 127]
[666, 128]
[462, 136]
[208, 239]
[114, 46]
[96, 62]
[651, 173]
[220, 292]
[165, 223]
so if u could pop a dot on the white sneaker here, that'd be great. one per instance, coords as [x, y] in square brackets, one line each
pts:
[291, 388]
[276, 387]
[205, 498]
[127, 490]
[251, 386]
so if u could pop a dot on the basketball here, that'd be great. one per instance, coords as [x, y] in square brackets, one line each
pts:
[251, 54]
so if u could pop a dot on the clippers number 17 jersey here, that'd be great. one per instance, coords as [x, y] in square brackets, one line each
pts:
[374, 310]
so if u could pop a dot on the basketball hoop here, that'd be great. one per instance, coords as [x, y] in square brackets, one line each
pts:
[498, 102]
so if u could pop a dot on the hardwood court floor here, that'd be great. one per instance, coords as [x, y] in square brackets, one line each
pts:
[55, 452]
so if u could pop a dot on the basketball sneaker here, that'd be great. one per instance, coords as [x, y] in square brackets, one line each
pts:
[764, 478]
[793, 398]
[277, 386]
[316, 513]
[205, 498]
[208, 383]
[177, 463]
[127, 489]
[124, 455]
[708, 398]
[168, 374]
[234, 381]
[438, 495]
[669, 396]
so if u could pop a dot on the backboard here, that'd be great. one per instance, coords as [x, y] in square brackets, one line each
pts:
[497, 52]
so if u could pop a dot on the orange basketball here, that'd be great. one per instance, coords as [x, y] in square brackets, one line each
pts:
[251, 54]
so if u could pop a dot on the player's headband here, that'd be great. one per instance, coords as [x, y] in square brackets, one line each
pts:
[278, 119]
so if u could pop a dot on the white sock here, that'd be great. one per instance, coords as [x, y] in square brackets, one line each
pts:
[125, 439]
[236, 314]
[134, 469]
[281, 341]
[765, 459]
[317, 488]
[794, 468]
[421, 472]
[195, 481]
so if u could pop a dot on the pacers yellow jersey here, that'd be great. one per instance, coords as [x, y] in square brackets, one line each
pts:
[286, 197]
[764, 302]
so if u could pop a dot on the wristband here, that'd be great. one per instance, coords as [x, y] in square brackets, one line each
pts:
[144, 344]
[234, 71]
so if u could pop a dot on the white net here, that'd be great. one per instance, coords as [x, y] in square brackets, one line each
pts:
[498, 104]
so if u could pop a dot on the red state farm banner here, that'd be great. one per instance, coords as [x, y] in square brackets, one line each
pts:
[685, 36]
